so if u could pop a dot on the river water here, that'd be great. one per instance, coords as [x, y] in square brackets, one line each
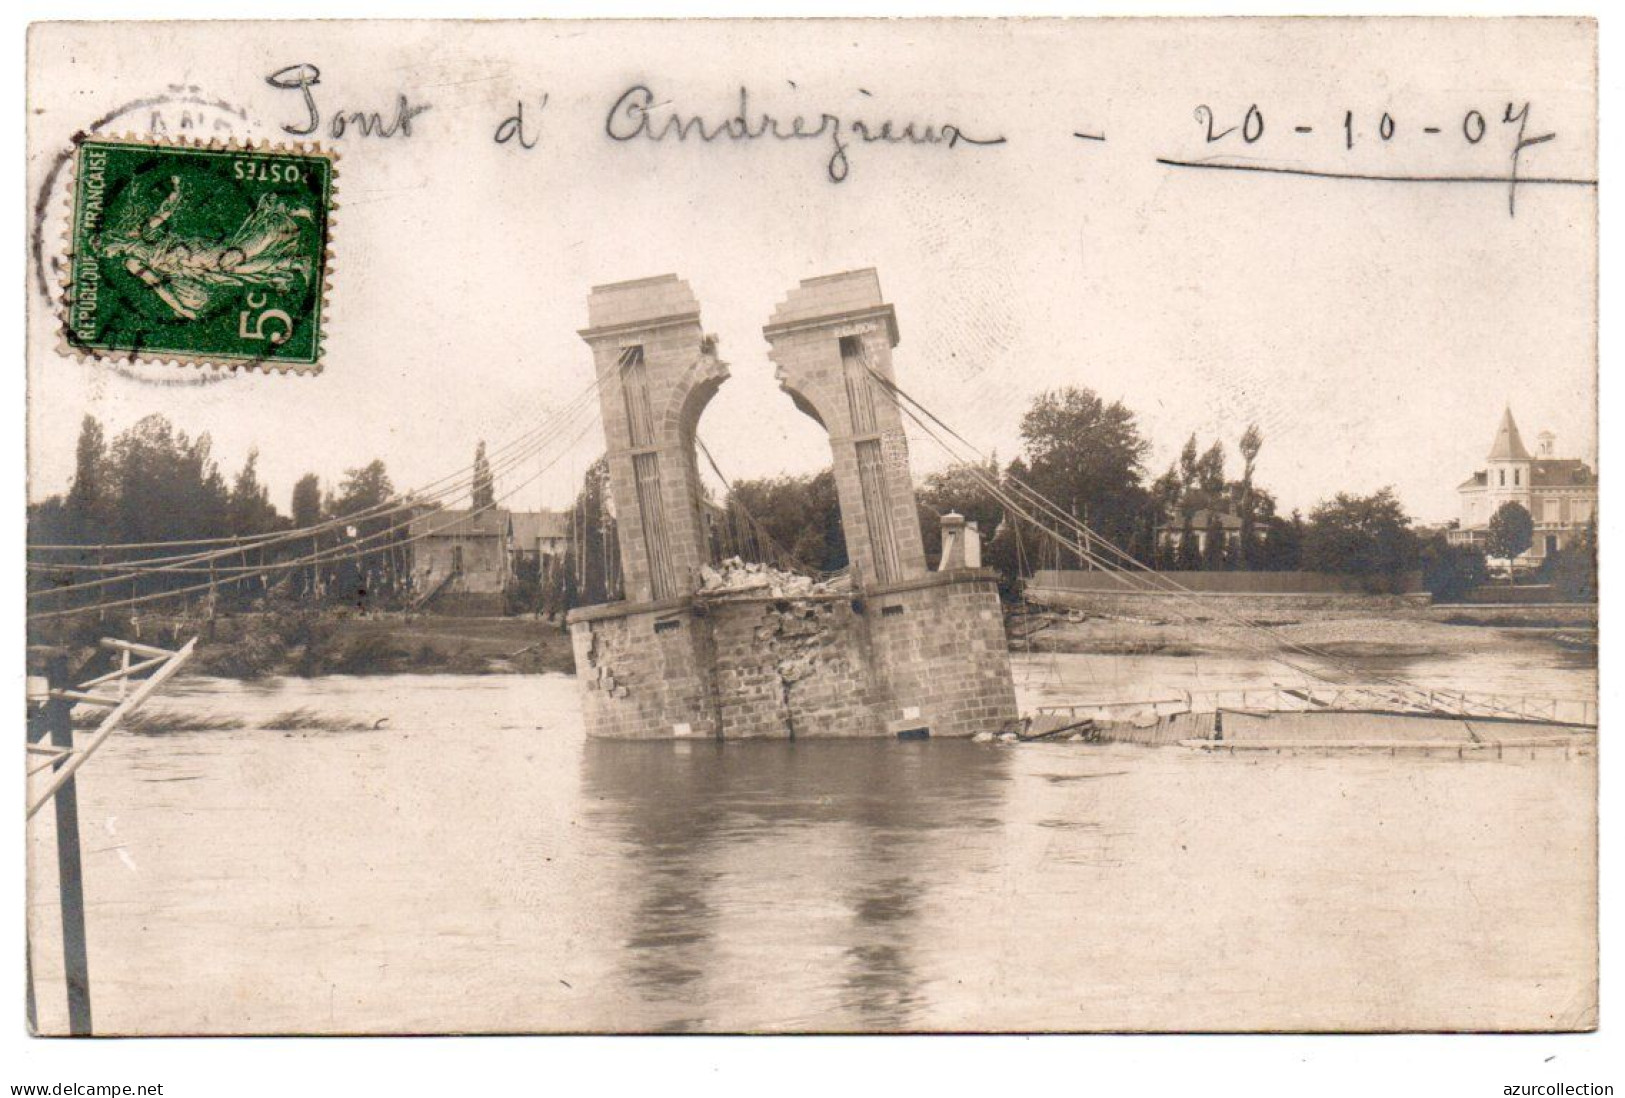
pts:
[470, 862]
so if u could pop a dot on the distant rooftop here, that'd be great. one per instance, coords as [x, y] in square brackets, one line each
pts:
[1202, 517]
[530, 527]
[1508, 446]
[444, 522]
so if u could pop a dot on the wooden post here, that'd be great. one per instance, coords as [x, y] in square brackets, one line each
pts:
[56, 721]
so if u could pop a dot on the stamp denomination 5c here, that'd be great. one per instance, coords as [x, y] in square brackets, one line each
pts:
[202, 255]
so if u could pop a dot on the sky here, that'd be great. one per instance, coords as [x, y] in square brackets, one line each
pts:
[1374, 330]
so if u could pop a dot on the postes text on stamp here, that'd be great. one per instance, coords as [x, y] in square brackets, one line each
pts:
[204, 255]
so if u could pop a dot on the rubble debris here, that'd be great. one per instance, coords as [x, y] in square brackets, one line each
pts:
[744, 579]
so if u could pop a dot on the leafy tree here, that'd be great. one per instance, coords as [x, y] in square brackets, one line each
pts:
[1213, 544]
[1087, 456]
[1166, 493]
[89, 498]
[484, 491]
[524, 592]
[1166, 557]
[1188, 468]
[964, 489]
[1252, 441]
[1210, 471]
[249, 507]
[1142, 544]
[166, 486]
[376, 567]
[306, 511]
[361, 489]
[1450, 572]
[1006, 549]
[1572, 570]
[1262, 508]
[1196, 481]
[307, 501]
[154, 483]
[1511, 531]
[1188, 557]
[799, 514]
[1366, 536]
[1282, 549]
[591, 571]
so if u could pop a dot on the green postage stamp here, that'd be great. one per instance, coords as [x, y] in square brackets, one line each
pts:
[203, 255]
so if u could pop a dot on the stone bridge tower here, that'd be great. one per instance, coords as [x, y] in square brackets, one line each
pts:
[829, 338]
[656, 373]
[905, 651]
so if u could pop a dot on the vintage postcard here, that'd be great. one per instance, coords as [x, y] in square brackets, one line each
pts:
[812, 526]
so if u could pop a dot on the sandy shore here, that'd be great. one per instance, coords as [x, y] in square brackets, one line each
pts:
[1407, 637]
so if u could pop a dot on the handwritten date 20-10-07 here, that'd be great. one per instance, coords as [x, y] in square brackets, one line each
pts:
[1508, 127]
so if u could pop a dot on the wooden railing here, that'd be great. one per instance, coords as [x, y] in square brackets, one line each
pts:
[1281, 699]
[162, 662]
[52, 697]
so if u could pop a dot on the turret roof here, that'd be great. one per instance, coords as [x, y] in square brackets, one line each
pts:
[1508, 446]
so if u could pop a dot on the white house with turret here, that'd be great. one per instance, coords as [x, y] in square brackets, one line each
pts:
[1560, 494]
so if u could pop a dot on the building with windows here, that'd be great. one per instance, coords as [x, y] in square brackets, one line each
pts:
[1203, 520]
[461, 559]
[539, 535]
[1560, 494]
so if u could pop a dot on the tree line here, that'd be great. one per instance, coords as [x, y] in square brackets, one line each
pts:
[1088, 457]
[154, 484]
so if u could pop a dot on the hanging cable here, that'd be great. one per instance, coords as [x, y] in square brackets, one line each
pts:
[449, 487]
[783, 556]
[340, 552]
[1081, 546]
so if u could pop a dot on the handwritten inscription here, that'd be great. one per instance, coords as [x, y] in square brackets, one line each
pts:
[636, 114]
[1248, 128]
[514, 128]
[303, 77]
[1472, 126]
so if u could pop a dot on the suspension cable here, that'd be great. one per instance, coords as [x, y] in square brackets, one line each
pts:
[508, 457]
[352, 549]
[1169, 586]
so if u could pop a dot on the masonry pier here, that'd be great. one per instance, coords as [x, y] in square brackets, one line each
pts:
[905, 652]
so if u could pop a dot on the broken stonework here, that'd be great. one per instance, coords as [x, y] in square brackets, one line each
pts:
[738, 649]
[745, 665]
[737, 577]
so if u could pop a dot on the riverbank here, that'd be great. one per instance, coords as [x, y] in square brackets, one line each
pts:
[307, 643]
[253, 646]
[1433, 632]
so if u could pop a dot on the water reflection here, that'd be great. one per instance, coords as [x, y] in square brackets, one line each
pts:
[477, 865]
[852, 833]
